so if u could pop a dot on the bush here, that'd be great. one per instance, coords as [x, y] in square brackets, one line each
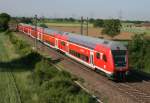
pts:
[57, 86]
[98, 23]
[112, 27]
[139, 53]
[43, 25]
[21, 46]
[44, 71]
[4, 20]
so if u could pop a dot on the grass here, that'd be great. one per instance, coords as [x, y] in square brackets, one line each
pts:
[133, 29]
[8, 90]
[66, 24]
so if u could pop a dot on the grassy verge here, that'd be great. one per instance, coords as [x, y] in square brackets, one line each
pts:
[37, 80]
[8, 90]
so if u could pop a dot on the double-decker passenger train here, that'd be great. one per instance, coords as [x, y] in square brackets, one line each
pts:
[108, 56]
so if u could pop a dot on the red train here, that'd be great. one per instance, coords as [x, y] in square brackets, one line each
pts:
[110, 57]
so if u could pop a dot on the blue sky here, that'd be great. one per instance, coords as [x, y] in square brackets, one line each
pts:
[127, 9]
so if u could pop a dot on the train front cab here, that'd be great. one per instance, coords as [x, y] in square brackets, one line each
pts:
[120, 64]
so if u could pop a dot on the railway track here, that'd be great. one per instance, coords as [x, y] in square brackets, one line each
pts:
[138, 95]
[126, 89]
[11, 77]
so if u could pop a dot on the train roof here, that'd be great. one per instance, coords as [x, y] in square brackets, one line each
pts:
[87, 41]
[49, 31]
[52, 31]
[92, 42]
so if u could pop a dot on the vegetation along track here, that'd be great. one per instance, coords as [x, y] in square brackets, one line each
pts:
[9, 92]
[127, 92]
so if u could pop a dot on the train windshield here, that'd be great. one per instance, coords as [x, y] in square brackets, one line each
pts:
[119, 57]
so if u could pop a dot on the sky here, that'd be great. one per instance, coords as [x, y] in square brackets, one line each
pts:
[123, 9]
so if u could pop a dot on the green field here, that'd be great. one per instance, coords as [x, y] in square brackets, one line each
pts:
[66, 24]
[130, 27]
[8, 90]
[125, 28]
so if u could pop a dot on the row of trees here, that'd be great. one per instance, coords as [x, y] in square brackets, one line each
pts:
[110, 27]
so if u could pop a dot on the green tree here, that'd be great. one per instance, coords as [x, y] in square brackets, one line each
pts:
[112, 27]
[71, 19]
[43, 25]
[26, 20]
[91, 20]
[98, 23]
[139, 53]
[4, 20]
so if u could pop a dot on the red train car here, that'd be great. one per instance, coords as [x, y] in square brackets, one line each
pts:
[108, 56]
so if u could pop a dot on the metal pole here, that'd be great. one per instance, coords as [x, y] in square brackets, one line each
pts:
[35, 32]
[81, 25]
[87, 26]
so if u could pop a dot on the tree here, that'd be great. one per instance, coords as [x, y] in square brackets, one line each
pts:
[26, 20]
[4, 20]
[43, 25]
[139, 53]
[71, 19]
[98, 23]
[91, 20]
[112, 27]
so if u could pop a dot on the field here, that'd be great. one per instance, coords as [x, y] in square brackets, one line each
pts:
[95, 32]
[8, 89]
[126, 33]
[129, 27]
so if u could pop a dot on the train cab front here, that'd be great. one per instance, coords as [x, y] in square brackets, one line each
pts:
[120, 60]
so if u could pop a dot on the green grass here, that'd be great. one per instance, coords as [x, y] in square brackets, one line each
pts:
[8, 90]
[133, 29]
[66, 24]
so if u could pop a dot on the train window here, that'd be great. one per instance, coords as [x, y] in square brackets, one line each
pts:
[104, 58]
[87, 59]
[84, 57]
[78, 55]
[51, 43]
[63, 43]
[71, 52]
[119, 57]
[98, 55]
[81, 56]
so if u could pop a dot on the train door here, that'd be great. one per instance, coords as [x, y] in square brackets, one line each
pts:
[41, 36]
[67, 47]
[30, 31]
[38, 35]
[92, 58]
[56, 43]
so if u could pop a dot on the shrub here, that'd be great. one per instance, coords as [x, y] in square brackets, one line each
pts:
[98, 23]
[57, 86]
[43, 25]
[21, 46]
[4, 20]
[112, 27]
[139, 53]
